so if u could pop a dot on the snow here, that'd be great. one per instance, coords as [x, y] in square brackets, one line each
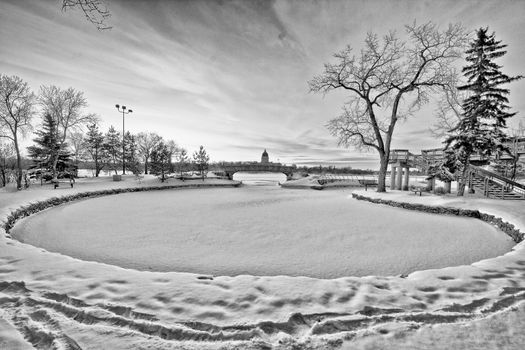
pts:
[51, 298]
[259, 230]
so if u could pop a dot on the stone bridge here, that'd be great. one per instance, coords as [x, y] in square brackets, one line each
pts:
[231, 169]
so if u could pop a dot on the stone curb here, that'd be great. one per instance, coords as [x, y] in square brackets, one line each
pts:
[504, 226]
[36, 207]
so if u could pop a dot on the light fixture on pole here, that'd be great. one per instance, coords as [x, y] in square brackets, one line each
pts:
[124, 112]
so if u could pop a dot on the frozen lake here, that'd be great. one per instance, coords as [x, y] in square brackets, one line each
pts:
[259, 230]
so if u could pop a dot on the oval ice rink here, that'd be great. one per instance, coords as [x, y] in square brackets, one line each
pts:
[259, 230]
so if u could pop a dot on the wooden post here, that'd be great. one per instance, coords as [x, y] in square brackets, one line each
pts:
[405, 180]
[399, 178]
[393, 178]
[429, 185]
[448, 186]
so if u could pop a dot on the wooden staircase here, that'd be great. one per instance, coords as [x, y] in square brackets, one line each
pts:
[494, 185]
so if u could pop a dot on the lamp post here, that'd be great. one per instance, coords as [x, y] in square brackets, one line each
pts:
[124, 112]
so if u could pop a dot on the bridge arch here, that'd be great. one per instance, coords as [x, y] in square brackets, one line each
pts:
[287, 170]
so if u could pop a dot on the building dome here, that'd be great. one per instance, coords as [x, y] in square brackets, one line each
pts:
[264, 157]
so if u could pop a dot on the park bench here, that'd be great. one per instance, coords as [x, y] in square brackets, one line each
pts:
[56, 183]
[419, 189]
[367, 183]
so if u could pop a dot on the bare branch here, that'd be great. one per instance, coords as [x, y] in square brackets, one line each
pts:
[94, 10]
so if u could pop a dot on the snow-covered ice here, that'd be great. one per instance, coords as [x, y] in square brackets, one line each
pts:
[259, 230]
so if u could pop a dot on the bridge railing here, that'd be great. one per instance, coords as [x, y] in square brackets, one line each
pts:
[401, 155]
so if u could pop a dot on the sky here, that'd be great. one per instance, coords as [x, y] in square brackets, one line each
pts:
[233, 75]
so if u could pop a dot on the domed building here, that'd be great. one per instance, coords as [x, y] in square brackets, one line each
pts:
[264, 158]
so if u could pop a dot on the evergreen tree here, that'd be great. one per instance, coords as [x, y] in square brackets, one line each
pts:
[131, 153]
[94, 144]
[113, 146]
[201, 159]
[481, 127]
[160, 160]
[47, 147]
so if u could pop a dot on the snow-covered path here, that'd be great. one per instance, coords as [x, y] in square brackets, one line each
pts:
[55, 301]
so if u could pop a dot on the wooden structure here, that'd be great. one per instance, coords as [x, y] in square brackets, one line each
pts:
[493, 185]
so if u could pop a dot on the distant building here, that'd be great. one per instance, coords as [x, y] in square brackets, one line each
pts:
[264, 158]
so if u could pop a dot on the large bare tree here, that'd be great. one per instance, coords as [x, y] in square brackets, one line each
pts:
[388, 80]
[16, 111]
[67, 109]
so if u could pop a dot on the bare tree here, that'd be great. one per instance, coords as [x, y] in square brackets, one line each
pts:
[448, 111]
[146, 142]
[516, 135]
[77, 144]
[387, 81]
[7, 161]
[16, 111]
[66, 107]
[94, 10]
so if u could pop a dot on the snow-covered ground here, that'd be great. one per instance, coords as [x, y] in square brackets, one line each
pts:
[51, 300]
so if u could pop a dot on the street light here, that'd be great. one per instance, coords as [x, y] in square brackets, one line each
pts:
[124, 112]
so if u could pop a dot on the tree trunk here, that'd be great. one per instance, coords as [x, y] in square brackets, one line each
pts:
[146, 165]
[381, 178]
[18, 164]
[462, 182]
[96, 162]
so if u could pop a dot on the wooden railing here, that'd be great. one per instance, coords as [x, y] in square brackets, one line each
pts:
[491, 179]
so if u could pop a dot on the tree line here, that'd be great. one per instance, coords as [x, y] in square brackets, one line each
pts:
[67, 137]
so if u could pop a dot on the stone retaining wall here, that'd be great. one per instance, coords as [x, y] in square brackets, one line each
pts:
[504, 226]
[33, 208]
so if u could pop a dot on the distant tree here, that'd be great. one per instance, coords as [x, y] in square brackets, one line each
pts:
[48, 148]
[7, 161]
[94, 10]
[182, 160]
[146, 141]
[388, 81]
[481, 128]
[131, 153]
[173, 148]
[76, 144]
[113, 147]
[66, 107]
[160, 160]
[201, 159]
[94, 145]
[16, 112]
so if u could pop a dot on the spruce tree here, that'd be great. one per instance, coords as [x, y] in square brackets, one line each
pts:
[160, 160]
[113, 146]
[201, 159]
[94, 144]
[47, 147]
[481, 128]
